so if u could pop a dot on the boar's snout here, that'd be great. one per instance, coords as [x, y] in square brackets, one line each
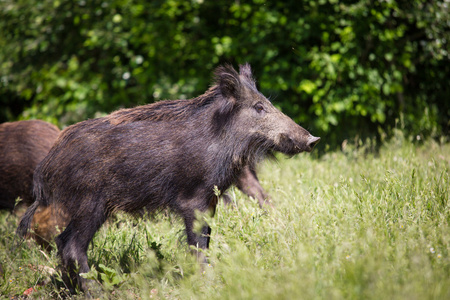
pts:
[292, 145]
[312, 141]
[289, 137]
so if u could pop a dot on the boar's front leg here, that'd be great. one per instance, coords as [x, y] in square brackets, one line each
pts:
[201, 239]
[249, 184]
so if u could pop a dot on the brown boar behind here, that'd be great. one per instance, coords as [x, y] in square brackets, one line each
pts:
[23, 144]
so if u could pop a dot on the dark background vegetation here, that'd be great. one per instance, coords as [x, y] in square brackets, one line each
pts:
[340, 68]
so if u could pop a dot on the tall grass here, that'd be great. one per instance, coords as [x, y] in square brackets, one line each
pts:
[353, 224]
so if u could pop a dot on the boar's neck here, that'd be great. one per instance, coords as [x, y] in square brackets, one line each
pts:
[230, 152]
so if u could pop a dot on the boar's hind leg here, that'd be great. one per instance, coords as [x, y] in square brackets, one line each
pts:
[73, 243]
[201, 239]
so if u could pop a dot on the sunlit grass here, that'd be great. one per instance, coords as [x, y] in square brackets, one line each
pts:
[354, 224]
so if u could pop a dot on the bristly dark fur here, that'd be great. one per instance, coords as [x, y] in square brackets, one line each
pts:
[167, 154]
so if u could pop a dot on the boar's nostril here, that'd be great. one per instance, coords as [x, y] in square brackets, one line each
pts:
[312, 141]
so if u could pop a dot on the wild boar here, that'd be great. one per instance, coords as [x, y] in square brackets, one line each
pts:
[169, 154]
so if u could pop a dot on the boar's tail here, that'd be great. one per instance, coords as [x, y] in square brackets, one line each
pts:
[39, 195]
[39, 199]
[25, 223]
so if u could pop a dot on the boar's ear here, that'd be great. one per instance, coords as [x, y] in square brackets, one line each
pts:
[228, 81]
[246, 74]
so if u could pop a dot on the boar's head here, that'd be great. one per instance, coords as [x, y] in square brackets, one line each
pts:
[252, 117]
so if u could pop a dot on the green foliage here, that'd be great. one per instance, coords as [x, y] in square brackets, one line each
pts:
[340, 68]
[109, 278]
[351, 225]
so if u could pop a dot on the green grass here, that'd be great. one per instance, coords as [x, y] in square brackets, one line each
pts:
[354, 224]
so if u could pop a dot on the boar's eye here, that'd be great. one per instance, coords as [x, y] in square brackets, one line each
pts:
[259, 108]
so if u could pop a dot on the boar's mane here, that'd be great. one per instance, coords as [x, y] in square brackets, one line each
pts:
[166, 110]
